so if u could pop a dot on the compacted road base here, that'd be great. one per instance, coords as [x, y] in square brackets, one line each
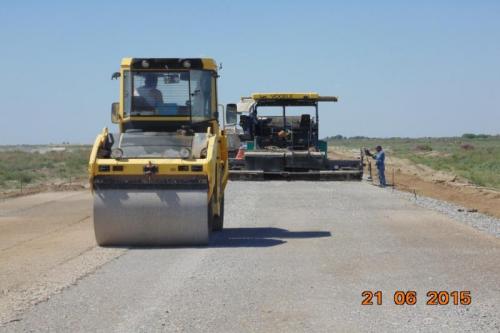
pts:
[294, 257]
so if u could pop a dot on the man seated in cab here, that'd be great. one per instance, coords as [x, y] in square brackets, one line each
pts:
[149, 92]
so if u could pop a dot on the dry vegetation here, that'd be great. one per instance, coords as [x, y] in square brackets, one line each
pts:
[32, 166]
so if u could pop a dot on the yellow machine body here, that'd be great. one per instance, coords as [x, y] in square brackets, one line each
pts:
[151, 198]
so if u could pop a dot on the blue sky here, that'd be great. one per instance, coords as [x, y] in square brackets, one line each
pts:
[400, 68]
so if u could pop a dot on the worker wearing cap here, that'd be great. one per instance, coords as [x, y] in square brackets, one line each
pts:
[379, 158]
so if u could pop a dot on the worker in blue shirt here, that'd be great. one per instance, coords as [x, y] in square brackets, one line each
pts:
[379, 158]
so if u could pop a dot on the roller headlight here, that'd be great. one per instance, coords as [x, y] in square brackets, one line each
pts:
[116, 153]
[185, 152]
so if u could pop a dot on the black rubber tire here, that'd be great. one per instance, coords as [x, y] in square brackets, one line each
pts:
[218, 220]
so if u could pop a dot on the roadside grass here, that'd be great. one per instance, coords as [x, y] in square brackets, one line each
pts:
[474, 157]
[31, 167]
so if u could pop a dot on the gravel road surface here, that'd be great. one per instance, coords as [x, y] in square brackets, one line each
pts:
[294, 257]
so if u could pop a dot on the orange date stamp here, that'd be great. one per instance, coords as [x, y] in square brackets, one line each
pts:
[409, 297]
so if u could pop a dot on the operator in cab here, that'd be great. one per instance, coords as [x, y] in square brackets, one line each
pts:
[149, 92]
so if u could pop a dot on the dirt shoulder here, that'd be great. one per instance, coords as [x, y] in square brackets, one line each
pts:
[46, 244]
[53, 186]
[422, 180]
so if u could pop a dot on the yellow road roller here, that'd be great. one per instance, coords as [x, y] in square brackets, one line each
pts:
[160, 180]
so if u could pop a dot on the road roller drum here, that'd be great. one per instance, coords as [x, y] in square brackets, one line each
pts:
[151, 218]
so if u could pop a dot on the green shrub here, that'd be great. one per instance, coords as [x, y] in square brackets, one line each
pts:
[423, 147]
[475, 136]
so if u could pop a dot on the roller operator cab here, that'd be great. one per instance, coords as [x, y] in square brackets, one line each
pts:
[160, 179]
[277, 137]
